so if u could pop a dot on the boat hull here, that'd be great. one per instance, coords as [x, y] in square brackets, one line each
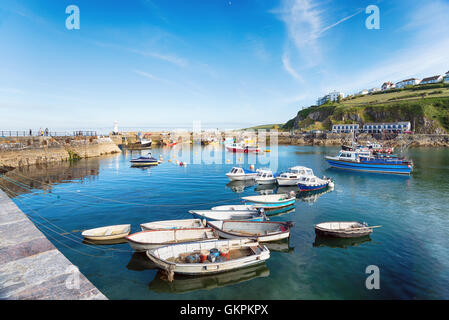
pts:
[209, 268]
[241, 177]
[287, 182]
[305, 188]
[251, 230]
[400, 168]
[335, 234]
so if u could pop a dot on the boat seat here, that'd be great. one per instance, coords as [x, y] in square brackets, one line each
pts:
[108, 232]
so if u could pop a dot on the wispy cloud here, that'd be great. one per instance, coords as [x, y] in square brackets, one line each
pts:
[152, 77]
[305, 23]
[181, 62]
[288, 67]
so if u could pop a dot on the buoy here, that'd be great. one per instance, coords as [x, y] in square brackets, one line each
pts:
[251, 167]
[169, 160]
[227, 160]
[181, 163]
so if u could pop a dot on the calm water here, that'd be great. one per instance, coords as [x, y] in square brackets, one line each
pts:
[411, 249]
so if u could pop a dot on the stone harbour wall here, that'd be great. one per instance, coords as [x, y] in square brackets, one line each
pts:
[25, 151]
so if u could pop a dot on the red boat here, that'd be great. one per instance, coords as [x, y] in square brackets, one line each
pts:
[240, 147]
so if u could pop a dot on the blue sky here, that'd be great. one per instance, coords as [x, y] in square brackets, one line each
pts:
[225, 63]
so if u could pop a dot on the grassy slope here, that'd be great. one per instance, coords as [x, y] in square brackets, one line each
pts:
[429, 101]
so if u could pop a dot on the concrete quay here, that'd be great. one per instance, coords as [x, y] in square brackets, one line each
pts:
[31, 267]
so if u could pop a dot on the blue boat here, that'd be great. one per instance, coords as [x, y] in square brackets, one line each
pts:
[313, 183]
[366, 161]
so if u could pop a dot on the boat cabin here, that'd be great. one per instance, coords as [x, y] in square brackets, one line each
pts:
[308, 179]
[237, 170]
[265, 174]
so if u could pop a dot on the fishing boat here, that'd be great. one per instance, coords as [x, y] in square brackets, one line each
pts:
[147, 160]
[240, 174]
[271, 201]
[151, 239]
[265, 176]
[188, 258]
[242, 147]
[292, 175]
[173, 224]
[367, 161]
[343, 229]
[238, 207]
[314, 183]
[253, 215]
[261, 231]
[108, 232]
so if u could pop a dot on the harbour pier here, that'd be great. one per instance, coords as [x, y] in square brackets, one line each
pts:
[31, 267]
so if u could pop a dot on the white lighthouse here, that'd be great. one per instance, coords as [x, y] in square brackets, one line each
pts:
[115, 131]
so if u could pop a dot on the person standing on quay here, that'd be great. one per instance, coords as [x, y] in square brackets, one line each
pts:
[46, 132]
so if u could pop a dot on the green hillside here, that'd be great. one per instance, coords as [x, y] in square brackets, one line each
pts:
[425, 106]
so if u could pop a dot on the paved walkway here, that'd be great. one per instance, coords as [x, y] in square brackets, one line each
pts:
[30, 265]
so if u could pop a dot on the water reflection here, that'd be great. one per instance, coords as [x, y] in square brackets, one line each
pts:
[240, 186]
[140, 262]
[265, 189]
[182, 284]
[279, 246]
[22, 180]
[312, 196]
[339, 242]
[105, 242]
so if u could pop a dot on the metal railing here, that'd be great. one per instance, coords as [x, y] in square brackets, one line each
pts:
[43, 133]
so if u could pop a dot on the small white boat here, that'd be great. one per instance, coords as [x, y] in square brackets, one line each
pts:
[292, 175]
[173, 224]
[107, 233]
[257, 215]
[265, 176]
[343, 229]
[238, 207]
[240, 174]
[178, 258]
[261, 231]
[271, 201]
[151, 239]
[314, 183]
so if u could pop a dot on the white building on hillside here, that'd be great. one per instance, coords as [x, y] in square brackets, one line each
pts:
[372, 90]
[345, 128]
[388, 85]
[333, 96]
[434, 79]
[446, 77]
[388, 127]
[407, 82]
[363, 92]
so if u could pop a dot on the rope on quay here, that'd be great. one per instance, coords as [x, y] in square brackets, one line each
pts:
[133, 203]
[76, 239]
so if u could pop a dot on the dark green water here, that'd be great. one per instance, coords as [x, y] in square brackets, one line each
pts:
[411, 248]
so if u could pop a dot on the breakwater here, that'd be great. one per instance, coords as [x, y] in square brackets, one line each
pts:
[24, 151]
[31, 267]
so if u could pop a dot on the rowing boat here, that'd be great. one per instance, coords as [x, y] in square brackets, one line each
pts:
[151, 239]
[271, 200]
[229, 215]
[343, 229]
[183, 258]
[261, 231]
[108, 232]
[173, 224]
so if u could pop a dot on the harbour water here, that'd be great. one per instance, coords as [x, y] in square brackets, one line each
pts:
[411, 248]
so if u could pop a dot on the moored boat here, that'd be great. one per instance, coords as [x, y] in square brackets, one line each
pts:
[234, 207]
[292, 175]
[242, 147]
[254, 215]
[265, 176]
[151, 239]
[343, 229]
[314, 183]
[108, 232]
[271, 201]
[261, 231]
[188, 258]
[147, 160]
[366, 160]
[240, 174]
[173, 224]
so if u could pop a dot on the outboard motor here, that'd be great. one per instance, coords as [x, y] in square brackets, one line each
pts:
[262, 213]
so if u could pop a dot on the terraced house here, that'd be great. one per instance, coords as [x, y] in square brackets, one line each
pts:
[387, 127]
[345, 128]
[434, 79]
[407, 82]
